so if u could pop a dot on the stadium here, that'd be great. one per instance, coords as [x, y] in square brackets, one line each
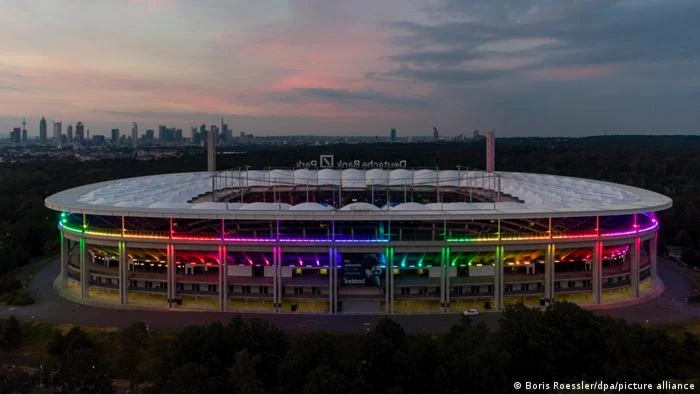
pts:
[370, 237]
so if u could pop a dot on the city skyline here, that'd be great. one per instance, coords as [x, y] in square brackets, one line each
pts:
[525, 68]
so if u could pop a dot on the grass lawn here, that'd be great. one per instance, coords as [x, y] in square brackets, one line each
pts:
[687, 271]
[30, 270]
[678, 329]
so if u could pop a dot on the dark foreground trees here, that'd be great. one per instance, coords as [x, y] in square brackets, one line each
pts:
[563, 344]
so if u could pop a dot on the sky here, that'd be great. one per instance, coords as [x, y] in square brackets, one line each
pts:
[361, 67]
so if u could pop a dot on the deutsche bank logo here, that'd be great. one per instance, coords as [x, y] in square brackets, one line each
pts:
[327, 161]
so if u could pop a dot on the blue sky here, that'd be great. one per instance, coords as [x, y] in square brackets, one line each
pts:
[271, 67]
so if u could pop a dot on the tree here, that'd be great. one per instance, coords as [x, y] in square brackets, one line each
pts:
[81, 371]
[14, 380]
[10, 334]
[243, 378]
[326, 380]
[127, 352]
[80, 368]
[683, 238]
[306, 354]
[383, 362]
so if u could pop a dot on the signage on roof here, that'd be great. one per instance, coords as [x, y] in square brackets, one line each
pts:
[329, 161]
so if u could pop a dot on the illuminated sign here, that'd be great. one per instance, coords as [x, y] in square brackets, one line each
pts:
[328, 161]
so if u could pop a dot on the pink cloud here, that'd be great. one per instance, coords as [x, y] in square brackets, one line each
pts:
[573, 72]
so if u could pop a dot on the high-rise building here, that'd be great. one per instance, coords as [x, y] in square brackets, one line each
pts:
[57, 133]
[80, 132]
[42, 130]
[69, 133]
[24, 130]
[195, 135]
[98, 140]
[393, 135]
[115, 136]
[436, 134]
[150, 134]
[134, 132]
[211, 149]
[15, 134]
[226, 133]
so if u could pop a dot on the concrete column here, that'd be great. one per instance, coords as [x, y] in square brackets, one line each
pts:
[338, 261]
[634, 268]
[443, 273]
[331, 293]
[275, 269]
[597, 272]
[278, 277]
[389, 281]
[223, 282]
[171, 271]
[653, 248]
[498, 288]
[65, 258]
[84, 271]
[123, 277]
[549, 273]
[447, 279]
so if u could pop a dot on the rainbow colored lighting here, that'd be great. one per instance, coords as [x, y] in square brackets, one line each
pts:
[119, 233]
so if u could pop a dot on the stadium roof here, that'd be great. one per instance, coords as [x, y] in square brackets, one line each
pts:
[172, 195]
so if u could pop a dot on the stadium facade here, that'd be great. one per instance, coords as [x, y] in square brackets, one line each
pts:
[382, 240]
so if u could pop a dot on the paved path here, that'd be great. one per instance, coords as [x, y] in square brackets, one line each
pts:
[54, 309]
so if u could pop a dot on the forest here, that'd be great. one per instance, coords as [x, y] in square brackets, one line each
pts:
[563, 344]
[666, 164]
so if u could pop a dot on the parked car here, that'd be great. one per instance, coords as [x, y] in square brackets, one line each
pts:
[471, 312]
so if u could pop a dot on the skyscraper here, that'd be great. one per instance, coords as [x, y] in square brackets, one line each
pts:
[15, 135]
[195, 136]
[79, 132]
[134, 132]
[393, 135]
[42, 130]
[226, 133]
[150, 134]
[436, 134]
[115, 136]
[69, 133]
[24, 130]
[57, 133]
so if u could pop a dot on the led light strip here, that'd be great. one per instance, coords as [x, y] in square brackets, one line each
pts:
[118, 234]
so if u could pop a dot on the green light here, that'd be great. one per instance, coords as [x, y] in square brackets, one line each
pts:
[403, 262]
[420, 262]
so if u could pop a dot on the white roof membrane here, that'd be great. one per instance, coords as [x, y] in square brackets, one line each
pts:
[541, 194]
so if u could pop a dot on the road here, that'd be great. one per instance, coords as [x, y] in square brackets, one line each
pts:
[49, 307]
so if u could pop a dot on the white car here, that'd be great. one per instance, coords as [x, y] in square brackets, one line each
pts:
[471, 312]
